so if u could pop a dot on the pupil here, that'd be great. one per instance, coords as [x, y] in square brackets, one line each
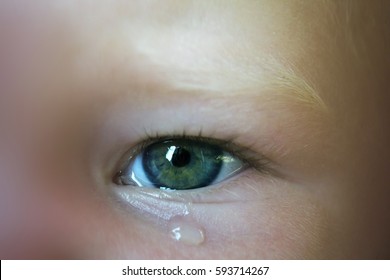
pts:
[181, 157]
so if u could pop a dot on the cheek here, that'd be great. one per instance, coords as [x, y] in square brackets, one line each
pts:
[34, 223]
[277, 228]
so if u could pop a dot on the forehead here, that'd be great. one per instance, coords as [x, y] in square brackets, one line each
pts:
[224, 45]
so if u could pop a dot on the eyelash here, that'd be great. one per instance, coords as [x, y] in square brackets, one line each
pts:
[248, 156]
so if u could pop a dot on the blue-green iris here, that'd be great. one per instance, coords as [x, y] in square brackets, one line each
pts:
[182, 164]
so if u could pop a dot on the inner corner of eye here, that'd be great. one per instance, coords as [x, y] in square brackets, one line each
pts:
[179, 164]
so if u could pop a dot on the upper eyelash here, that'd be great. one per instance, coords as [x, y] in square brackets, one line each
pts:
[248, 156]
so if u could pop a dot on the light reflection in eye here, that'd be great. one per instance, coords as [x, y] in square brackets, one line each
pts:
[171, 151]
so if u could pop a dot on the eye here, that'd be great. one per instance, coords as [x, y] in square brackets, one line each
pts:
[179, 164]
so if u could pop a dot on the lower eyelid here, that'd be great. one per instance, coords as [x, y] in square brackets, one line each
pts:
[235, 189]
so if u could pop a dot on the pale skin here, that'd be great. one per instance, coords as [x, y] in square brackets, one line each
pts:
[302, 83]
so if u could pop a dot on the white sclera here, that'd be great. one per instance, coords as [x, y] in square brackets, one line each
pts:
[135, 174]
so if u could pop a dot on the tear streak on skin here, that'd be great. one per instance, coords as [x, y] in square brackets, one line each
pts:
[152, 203]
[168, 208]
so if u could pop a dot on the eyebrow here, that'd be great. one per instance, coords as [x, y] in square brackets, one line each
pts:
[283, 79]
[268, 75]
